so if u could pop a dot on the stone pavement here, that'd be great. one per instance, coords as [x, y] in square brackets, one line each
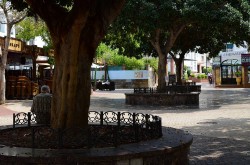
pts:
[220, 124]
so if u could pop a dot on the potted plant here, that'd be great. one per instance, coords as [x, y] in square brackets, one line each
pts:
[238, 74]
[238, 77]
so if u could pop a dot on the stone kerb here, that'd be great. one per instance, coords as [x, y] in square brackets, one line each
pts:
[172, 148]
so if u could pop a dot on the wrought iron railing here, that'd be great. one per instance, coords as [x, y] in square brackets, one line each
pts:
[170, 89]
[105, 129]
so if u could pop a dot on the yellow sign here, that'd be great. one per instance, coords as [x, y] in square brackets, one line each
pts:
[15, 45]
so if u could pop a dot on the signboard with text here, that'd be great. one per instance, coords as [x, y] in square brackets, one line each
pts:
[15, 45]
[245, 59]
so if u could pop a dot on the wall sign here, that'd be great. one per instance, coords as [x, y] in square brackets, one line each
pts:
[245, 59]
[15, 45]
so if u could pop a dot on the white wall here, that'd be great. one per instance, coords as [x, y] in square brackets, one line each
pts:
[122, 74]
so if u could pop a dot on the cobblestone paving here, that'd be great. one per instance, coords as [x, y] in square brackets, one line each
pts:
[220, 124]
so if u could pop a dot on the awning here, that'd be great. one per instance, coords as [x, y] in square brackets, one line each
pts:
[42, 58]
[49, 67]
[96, 66]
[44, 63]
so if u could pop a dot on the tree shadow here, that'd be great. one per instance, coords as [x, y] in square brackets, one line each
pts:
[220, 141]
[211, 150]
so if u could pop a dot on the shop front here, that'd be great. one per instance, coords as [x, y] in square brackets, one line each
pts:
[21, 69]
[231, 68]
[245, 60]
[234, 69]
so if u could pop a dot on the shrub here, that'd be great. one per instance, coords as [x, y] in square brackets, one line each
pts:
[188, 72]
[192, 75]
[201, 76]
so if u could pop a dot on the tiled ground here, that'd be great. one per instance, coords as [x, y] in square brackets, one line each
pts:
[220, 124]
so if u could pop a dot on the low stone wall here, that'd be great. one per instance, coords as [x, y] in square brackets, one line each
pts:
[128, 84]
[162, 98]
[172, 148]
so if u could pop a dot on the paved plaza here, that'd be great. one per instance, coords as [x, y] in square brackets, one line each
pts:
[220, 124]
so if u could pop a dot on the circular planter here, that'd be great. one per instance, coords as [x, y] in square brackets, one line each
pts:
[172, 148]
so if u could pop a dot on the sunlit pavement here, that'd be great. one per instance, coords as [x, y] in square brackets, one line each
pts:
[220, 124]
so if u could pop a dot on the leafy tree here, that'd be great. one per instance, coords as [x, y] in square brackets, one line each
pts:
[76, 29]
[12, 17]
[112, 57]
[130, 44]
[29, 28]
[162, 22]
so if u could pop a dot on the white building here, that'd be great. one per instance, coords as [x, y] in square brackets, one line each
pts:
[3, 27]
[37, 41]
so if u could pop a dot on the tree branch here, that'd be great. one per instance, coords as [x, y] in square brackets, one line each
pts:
[49, 11]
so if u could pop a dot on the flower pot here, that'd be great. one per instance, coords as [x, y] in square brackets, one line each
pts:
[238, 80]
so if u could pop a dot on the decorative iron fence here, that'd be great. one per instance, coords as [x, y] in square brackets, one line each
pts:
[105, 129]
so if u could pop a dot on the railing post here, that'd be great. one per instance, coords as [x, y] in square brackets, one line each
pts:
[14, 118]
[147, 121]
[133, 119]
[135, 126]
[101, 118]
[117, 130]
[160, 126]
[119, 119]
[29, 118]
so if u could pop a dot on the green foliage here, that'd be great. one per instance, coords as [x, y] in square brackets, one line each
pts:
[30, 28]
[192, 75]
[107, 55]
[207, 70]
[51, 60]
[133, 64]
[128, 44]
[152, 61]
[188, 72]
[201, 76]
[238, 74]
[186, 76]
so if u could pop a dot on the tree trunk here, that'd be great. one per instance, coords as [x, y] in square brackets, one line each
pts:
[162, 72]
[76, 35]
[179, 74]
[162, 61]
[71, 84]
[3, 62]
[2, 84]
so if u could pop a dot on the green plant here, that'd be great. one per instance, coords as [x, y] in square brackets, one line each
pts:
[188, 72]
[201, 76]
[238, 73]
[192, 75]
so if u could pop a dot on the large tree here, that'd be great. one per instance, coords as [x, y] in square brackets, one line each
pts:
[11, 17]
[162, 21]
[76, 28]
